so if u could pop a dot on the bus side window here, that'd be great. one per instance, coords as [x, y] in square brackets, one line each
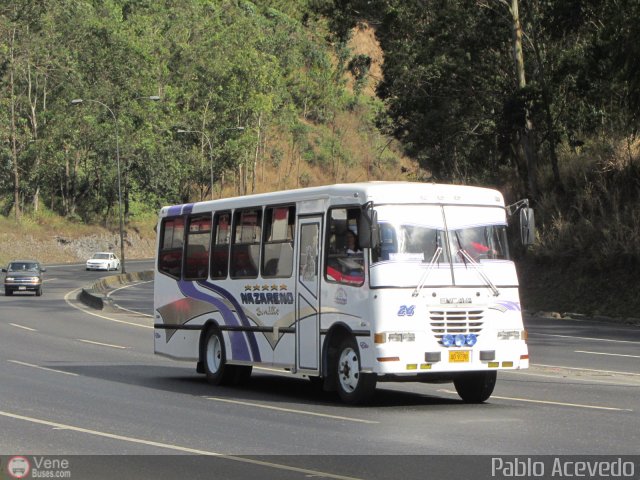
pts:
[220, 245]
[345, 261]
[245, 246]
[277, 257]
[172, 240]
[197, 252]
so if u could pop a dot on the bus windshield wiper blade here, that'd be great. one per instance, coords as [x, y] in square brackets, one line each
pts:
[478, 269]
[425, 275]
[460, 248]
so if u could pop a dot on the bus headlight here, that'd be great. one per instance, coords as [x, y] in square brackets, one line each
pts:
[459, 340]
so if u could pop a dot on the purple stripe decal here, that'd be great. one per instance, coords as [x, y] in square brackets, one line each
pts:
[239, 350]
[510, 305]
[253, 343]
[186, 209]
[175, 210]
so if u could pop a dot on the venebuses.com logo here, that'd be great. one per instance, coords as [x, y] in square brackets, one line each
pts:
[18, 467]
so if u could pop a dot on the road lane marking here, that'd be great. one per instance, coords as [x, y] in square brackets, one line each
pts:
[128, 286]
[84, 310]
[549, 402]
[128, 309]
[100, 343]
[579, 379]
[586, 369]
[135, 312]
[178, 448]
[288, 410]
[564, 404]
[42, 368]
[23, 327]
[583, 338]
[604, 353]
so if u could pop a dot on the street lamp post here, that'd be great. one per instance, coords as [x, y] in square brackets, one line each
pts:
[78, 101]
[210, 150]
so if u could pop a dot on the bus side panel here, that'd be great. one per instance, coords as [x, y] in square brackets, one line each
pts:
[284, 353]
[178, 344]
[260, 304]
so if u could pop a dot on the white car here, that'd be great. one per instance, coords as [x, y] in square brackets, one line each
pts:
[103, 261]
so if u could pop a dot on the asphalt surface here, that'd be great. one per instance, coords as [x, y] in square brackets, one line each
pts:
[82, 383]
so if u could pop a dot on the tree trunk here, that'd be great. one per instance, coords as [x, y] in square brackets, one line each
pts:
[257, 154]
[526, 134]
[547, 101]
[14, 133]
[33, 118]
[73, 185]
[245, 175]
[64, 184]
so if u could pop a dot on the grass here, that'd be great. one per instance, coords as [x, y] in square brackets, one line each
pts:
[588, 248]
[550, 287]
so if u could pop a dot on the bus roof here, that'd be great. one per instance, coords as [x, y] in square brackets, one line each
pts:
[357, 193]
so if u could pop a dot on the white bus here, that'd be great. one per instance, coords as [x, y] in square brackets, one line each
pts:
[428, 292]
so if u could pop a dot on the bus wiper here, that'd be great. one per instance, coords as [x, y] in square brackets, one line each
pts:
[478, 269]
[425, 275]
[460, 248]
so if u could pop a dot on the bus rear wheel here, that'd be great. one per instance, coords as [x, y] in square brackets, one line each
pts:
[215, 359]
[475, 387]
[354, 386]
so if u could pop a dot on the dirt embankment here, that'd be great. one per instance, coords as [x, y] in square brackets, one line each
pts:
[71, 248]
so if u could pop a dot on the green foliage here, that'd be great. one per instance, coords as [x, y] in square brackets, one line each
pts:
[226, 71]
[594, 224]
[231, 73]
[453, 98]
[450, 86]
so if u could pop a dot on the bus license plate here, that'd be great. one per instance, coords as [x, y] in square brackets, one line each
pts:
[459, 356]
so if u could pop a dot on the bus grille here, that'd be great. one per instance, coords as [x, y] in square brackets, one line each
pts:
[455, 322]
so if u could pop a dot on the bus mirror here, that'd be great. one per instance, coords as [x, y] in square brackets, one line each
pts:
[368, 234]
[527, 226]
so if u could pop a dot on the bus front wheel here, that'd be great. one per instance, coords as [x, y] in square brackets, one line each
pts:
[354, 386]
[475, 387]
[215, 360]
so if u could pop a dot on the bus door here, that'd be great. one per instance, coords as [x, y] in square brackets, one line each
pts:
[308, 294]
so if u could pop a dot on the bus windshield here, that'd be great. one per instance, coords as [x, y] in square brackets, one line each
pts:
[413, 233]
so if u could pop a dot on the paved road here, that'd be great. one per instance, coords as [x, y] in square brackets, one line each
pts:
[75, 381]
